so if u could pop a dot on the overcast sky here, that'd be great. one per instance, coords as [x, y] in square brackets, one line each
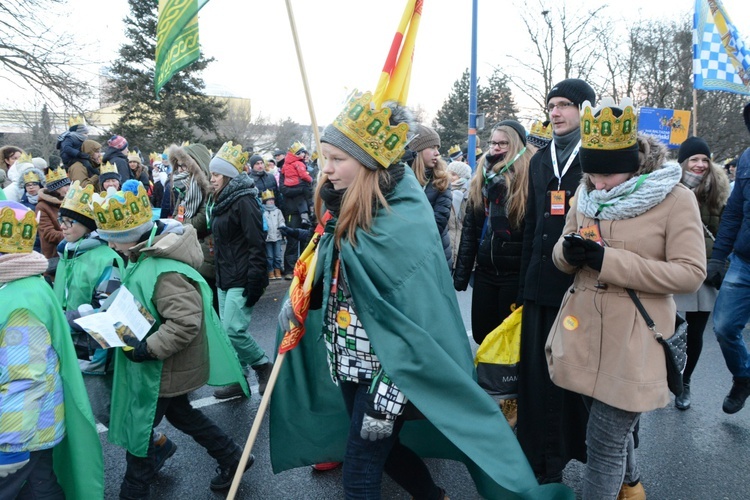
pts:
[344, 45]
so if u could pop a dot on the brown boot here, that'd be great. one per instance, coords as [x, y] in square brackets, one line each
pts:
[628, 492]
[271, 276]
[277, 273]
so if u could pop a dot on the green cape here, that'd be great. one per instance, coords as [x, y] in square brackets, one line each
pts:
[80, 274]
[133, 411]
[405, 299]
[77, 458]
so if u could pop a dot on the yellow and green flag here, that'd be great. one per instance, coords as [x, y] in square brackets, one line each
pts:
[176, 38]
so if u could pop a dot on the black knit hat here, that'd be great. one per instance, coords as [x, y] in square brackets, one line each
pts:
[520, 130]
[609, 161]
[255, 159]
[109, 175]
[70, 214]
[574, 89]
[693, 146]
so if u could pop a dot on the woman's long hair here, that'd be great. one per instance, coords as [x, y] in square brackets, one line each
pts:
[358, 204]
[441, 179]
[516, 178]
[713, 190]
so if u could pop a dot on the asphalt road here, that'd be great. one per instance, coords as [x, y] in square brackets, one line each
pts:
[697, 454]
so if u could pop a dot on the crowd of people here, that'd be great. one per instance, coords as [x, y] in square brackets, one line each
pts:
[585, 226]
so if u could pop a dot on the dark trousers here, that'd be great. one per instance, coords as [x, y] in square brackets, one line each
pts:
[292, 251]
[365, 461]
[696, 323]
[179, 412]
[490, 301]
[35, 480]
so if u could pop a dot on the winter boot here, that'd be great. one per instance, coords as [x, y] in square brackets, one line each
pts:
[739, 392]
[271, 276]
[635, 492]
[229, 391]
[277, 274]
[682, 402]
[263, 373]
[225, 474]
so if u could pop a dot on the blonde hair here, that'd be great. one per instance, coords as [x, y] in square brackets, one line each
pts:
[441, 179]
[358, 204]
[516, 178]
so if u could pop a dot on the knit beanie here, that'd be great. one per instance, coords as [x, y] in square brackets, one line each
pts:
[200, 154]
[610, 161]
[520, 130]
[425, 137]
[255, 159]
[109, 175]
[461, 169]
[118, 142]
[693, 146]
[70, 214]
[574, 89]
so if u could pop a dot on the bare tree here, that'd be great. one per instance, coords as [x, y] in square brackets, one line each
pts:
[33, 56]
[240, 126]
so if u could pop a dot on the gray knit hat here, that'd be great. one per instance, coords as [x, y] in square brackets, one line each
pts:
[425, 137]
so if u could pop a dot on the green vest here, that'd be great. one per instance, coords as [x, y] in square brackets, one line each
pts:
[79, 275]
[132, 414]
[78, 457]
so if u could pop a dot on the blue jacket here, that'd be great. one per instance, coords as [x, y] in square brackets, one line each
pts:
[734, 231]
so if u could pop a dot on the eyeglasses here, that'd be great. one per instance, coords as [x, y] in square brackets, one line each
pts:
[562, 106]
[181, 166]
[500, 144]
[66, 223]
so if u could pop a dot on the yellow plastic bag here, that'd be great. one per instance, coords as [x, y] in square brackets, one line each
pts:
[498, 356]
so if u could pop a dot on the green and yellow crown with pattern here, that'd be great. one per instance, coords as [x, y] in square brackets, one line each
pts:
[79, 199]
[234, 155]
[539, 130]
[454, 149]
[17, 236]
[56, 174]
[601, 129]
[370, 129]
[122, 211]
[108, 168]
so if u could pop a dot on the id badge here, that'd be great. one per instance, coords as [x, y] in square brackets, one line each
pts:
[591, 233]
[181, 213]
[557, 203]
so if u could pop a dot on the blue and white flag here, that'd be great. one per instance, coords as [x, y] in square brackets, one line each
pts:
[721, 61]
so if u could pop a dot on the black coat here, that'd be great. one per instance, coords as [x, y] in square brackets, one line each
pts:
[265, 181]
[497, 255]
[120, 160]
[239, 244]
[441, 205]
[541, 281]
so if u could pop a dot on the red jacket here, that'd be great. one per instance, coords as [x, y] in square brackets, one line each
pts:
[294, 170]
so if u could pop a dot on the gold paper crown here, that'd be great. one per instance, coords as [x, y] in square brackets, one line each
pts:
[76, 120]
[154, 157]
[539, 130]
[454, 149]
[607, 131]
[296, 147]
[267, 195]
[123, 211]
[17, 236]
[234, 155]
[134, 157]
[79, 199]
[24, 158]
[56, 174]
[31, 175]
[370, 129]
[108, 168]
[185, 143]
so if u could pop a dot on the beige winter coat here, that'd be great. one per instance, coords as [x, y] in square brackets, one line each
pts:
[600, 345]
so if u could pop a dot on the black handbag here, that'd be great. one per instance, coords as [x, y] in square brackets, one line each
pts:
[675, 348]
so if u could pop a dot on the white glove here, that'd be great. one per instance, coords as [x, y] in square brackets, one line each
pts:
[374, 428]
[11, 468]
[286, 316]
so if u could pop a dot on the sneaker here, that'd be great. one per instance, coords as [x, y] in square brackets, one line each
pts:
[739, 392]
[225, 475]
[229, 391]
[263, 373]
[163, 449]
[324, 466]
[635, 492]
[682, 402]
[289, 276]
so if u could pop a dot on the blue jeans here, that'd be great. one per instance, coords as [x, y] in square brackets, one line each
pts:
[610, 448]
[180, 413]
[365, 461]
[274, 256]
[731, 314]
[36, 479]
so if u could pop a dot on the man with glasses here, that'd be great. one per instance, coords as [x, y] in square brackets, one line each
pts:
[551, 421]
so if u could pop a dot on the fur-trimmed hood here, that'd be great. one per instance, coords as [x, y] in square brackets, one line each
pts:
[52, 198]
[652, 155]
[27, 167]
[178, 154]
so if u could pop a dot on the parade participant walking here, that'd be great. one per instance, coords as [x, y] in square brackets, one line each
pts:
[394, 353]
[551, 421]
[236, 222]
[50, 199]
[87, 171]
[56, 440]
[186, 349]
[274, 221]
[632, 227]
[732, 308]
[711, 187]
[492, 233]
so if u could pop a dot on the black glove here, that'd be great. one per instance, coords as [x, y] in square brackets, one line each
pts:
[715, 272]
[460, 284]
[136, 350]
[252, 294]
[594, 254]
[288, 231]
[573, 252]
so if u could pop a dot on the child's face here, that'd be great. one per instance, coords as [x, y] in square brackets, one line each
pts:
[270, 203]
[32, 188]
[454, 176]
[72, 230]
[111, 183]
